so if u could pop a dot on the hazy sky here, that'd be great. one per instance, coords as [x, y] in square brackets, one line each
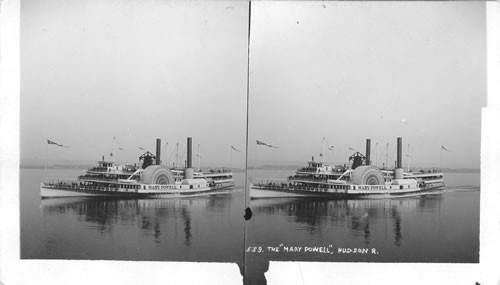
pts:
[137, 70]
[347, 71]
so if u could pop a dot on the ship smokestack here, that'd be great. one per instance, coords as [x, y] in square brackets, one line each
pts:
[189, 153]
[368, 145]
[399, 172]
[158, 151]
[188, 172]
[399, 161]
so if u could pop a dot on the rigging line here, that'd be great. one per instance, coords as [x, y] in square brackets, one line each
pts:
[247, 209]
[328, 145]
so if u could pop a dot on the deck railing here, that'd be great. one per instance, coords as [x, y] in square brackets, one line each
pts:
[104, 179]
[105, 169]
[310, 170]
[98, 168]
[295, 178]
[314, 170]
[78, 187]
[287, 187]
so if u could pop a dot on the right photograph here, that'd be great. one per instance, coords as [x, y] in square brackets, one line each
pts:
[364, 132]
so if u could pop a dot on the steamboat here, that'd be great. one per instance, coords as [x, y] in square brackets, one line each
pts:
[360, 179]
[148, 180]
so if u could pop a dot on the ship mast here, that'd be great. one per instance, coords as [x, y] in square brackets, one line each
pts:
[198, 155]
[408, 157]
[323, 151]
[114, 143]
[177, 156]
[387, 156]
[441, 158]
[166, 154]
[46, 156]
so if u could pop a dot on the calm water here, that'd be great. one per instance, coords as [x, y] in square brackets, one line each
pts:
[128, 229]
[431, 228]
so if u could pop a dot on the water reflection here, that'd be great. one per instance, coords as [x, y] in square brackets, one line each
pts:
[148, 215]
[187, 226]
[396, 217]
[360, 217]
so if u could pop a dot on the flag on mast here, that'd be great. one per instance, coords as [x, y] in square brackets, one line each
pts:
[54, 143]
[233, 148]
[445, 149]
[265, 144]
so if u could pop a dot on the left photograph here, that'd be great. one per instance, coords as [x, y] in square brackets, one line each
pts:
[132, 127]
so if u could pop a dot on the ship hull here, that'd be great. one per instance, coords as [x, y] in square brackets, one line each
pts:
[46, 192]
[59, 192]
[260, 192]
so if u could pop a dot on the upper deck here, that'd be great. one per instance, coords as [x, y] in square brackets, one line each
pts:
[321, 168]
[106, 167]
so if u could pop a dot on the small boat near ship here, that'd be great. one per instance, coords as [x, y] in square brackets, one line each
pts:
[149, 180]
[359, 180]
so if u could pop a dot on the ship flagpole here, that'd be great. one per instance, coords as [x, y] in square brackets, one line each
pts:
[177, 156]
[408, 157]
[166, 154]
[387, 156]
[376, 154]
[114, 143]
[46, 156]
[441, 158]
[330, 148]
[198, 162]
[323, 151]
[333, 155]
